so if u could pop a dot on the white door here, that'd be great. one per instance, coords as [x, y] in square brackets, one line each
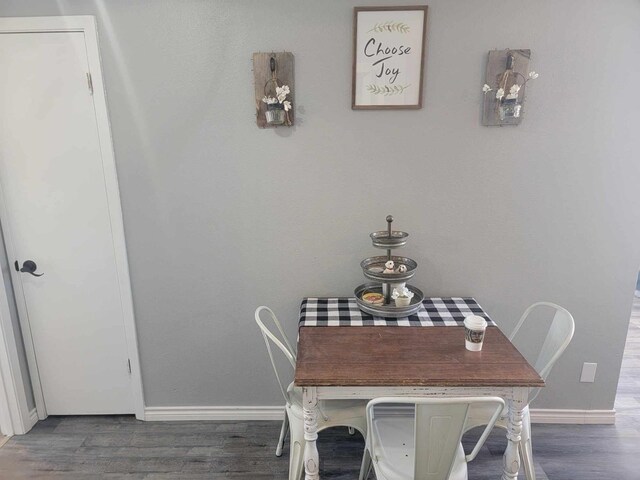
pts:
[53, 187]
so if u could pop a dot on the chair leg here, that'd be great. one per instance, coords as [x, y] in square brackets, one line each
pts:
[352, 431]
[526, 456]
[283, 434]
[296, 453]
[365, 468]
[525, 449]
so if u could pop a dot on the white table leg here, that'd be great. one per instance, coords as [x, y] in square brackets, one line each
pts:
[310, 411]
[511, 459]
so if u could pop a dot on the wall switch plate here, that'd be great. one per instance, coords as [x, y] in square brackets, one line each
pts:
[588, 372]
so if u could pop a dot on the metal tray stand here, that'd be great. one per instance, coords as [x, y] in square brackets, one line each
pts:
[373, 269]
[389, 310]
[389, 239]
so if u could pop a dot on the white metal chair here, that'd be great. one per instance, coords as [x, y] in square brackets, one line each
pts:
[349, 413]
[557, 339]
[425, 445]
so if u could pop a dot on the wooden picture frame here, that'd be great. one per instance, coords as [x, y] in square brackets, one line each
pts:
[389, 46]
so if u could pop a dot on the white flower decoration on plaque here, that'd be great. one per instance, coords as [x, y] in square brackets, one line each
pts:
[279, 103]
[513, 92]
[509, 105]
[282, 93]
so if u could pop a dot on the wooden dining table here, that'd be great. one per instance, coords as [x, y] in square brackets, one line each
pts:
[365, 362]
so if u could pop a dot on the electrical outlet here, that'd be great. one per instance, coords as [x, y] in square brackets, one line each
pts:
[588, 372]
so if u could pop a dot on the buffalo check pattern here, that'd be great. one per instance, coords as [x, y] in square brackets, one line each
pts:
[344, 312]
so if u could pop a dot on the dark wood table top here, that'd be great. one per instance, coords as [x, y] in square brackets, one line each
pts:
[408, 356]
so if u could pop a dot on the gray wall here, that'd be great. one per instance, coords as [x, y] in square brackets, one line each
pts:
[222, 217]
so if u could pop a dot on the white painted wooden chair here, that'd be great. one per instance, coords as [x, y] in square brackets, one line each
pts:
[557, 339]
[349, 413]
[425, 445]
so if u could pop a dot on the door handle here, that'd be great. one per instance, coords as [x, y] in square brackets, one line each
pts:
[29, 266]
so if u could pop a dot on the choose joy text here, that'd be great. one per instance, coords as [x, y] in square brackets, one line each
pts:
[383, 56]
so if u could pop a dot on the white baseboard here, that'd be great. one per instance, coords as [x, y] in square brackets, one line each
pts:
[574, 417]
[538, 415]
[159, 414]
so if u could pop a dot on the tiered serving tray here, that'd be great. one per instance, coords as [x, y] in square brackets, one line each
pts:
[373, 267]
[383, 283]
[390, 309]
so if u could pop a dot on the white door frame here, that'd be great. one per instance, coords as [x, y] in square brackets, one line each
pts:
[86, 25]
[15, 416]
[12, 407]
[6, 424]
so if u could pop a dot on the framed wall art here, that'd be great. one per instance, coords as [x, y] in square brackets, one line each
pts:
[388, 57]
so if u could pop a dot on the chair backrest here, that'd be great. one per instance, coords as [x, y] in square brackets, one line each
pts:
[558, 338]
[269, 338]
[439, 425]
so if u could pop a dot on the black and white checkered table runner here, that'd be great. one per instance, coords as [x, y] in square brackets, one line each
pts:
[344, 312]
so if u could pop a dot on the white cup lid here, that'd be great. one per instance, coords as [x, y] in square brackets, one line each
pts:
[474, 322]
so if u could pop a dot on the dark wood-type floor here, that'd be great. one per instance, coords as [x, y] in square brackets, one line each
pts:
[74, 448]
[120, 447]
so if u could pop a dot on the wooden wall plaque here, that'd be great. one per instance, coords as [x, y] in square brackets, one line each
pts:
[496, 65]
[262, 76]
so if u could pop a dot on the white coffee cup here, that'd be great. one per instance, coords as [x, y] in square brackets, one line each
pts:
[474, 328]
